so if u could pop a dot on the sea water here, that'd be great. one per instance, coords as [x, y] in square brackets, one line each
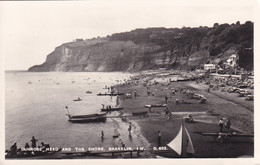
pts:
[35, 106]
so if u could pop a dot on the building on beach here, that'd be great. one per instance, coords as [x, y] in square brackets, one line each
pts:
[209, 67]
[232, 61]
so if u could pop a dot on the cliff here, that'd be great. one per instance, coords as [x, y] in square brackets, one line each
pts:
[153, 48]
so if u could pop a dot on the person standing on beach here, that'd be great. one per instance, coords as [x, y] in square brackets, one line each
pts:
[130, 128]
[167, 113]
[135, 93]
[166, 110]
[177, 101]
[123, 145]
[117, 100]
[166, 99]
[102, 135]
[228, 124]
[148, 92]
[159, 138]
[221, 124]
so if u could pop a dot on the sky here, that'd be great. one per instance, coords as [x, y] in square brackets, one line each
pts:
[30, 30]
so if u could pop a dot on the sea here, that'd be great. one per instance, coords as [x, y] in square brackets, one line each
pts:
[35, 106]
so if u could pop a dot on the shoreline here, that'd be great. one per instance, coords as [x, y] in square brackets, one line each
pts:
[151, 88]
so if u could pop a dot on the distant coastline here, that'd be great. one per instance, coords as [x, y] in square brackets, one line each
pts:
[15, 71]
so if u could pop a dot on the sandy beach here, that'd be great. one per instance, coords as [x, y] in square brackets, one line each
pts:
[206, 116]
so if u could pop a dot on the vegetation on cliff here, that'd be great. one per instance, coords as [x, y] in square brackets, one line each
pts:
[152, 48]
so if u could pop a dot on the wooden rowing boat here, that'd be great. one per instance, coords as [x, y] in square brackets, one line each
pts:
[35, 155]
[88, 118]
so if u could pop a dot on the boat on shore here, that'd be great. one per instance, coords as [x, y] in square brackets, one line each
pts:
[88, 118]
[140, 114]
[155, 105]
[111, 109]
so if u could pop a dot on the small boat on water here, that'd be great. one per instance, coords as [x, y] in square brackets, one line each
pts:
[78, 99]
[111, 109]
[89, 92]
[88, 118]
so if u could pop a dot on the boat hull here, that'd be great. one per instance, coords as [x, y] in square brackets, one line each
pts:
[111, 109]
[87, 116]
[37, 155]
[88, 120]
[141, 114]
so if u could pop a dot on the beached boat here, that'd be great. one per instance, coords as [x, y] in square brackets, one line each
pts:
[155, 105]
[250, 97]
[177, 144]
[141, 113]
[96, 117]
[87, 118]
[111, 109]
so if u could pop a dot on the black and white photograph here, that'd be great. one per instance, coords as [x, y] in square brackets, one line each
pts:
[128, 80]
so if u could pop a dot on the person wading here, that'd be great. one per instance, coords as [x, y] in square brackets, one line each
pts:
[34, 142]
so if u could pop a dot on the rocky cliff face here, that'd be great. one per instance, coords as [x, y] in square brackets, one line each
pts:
[153, 48]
